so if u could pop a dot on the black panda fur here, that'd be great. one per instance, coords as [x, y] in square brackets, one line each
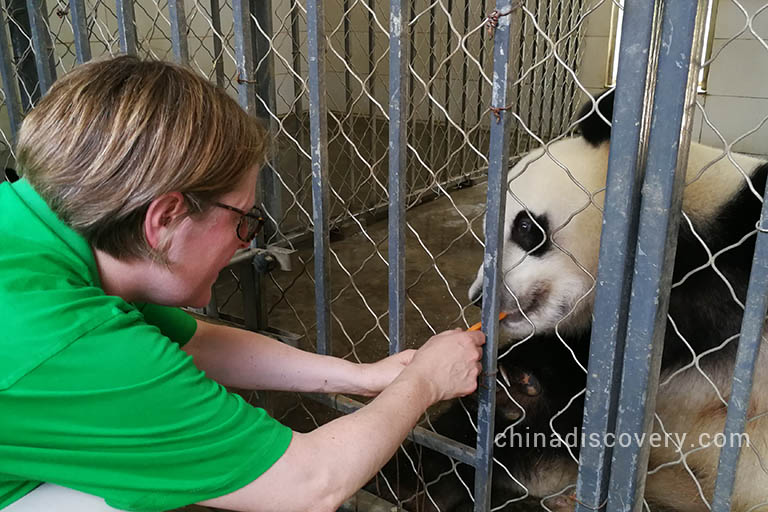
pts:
[703, 310]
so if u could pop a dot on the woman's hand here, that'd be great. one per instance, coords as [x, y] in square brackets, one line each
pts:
[377, 376]
[449, 363]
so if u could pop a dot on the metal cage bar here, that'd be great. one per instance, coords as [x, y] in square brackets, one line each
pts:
[218, 51]
[23, 56]
[420, 435]
[498, 152]
[318, 125]
[269, 187]
[41, 42]
[178, 31]
[244, 55]
[126, 26]
[398, 127]
[266, 105]
[617, 252]
[9, 84]
[657, 242]
[743, 374]
[80, 30]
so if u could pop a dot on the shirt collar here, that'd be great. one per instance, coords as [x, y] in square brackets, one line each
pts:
[68, 236]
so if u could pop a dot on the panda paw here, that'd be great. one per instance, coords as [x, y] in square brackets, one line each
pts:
[561, 503]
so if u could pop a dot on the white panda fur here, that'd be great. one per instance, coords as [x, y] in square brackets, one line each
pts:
[554, 285]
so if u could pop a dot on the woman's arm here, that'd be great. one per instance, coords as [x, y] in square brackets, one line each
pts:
[247, 360]
[324, 467]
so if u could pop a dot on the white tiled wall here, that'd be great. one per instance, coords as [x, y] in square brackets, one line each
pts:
[736, 101]
[737, 98]
[592, 72]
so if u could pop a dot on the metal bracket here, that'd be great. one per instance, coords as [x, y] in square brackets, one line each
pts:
[266, 259]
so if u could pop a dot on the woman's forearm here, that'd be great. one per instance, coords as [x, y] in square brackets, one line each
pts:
[327, 465]
[247, 360]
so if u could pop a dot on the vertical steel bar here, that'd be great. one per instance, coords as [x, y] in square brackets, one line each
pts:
[126, 26]
[498, 153]
[23, 56]
[432, 141]
[178, 31]
[659, 222]
[371, 87]
[318, 127]
[299, 89]
[298, 86]
[398, 171]
[266, 98]
[41, 42]
[744, 369]
[412, 121]
[270, 190]
[480, 107]
[266, 103]
[218, 53]
[249, 281]
[449, 130]
[244, 61]
[464, 154]
[80, 30]
[348, 120]
[9, 84]
[617, 251]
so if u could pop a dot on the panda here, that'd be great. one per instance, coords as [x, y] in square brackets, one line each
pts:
[552, 227]
[419, 479]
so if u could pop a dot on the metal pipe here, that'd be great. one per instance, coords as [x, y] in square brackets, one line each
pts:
[658, 227]
[744, 369]
[419, 435]
[494, 244]
[178, 31]
[318, 127]
[218, 53]
[617, 252]
[398, 162]
[80, 31]
[9, 84]
[244, 55]
[23, 55]
[270, 189]
[41, 42]
[126, 26]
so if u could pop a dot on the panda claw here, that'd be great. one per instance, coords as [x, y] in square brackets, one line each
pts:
[528, 382]
[562, 503]
[532, 387]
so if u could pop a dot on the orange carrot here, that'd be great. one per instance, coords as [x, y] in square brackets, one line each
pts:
[479, 325]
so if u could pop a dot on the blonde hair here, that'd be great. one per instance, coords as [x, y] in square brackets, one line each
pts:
[113, 135]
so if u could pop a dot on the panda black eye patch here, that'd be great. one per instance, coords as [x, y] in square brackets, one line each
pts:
[530, 232]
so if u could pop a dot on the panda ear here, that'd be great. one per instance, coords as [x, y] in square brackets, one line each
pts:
[593, 127]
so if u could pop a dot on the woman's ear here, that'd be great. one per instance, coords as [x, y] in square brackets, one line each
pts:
[162, 216]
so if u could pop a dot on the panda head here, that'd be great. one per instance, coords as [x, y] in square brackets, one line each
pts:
[552, 226]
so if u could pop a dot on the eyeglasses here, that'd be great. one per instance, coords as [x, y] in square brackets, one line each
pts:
[250, 222]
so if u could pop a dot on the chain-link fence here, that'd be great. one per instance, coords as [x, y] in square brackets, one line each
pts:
[556, 55]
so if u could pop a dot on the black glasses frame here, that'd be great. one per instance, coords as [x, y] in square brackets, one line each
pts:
[255, 214]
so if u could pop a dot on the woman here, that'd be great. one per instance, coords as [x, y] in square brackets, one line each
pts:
[138, 183]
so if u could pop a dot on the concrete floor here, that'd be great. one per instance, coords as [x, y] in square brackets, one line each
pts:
[443, 253]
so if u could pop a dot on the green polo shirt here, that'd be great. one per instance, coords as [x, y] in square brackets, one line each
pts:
[96, 393]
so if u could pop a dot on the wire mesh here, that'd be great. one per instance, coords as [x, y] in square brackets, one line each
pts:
[450, 81]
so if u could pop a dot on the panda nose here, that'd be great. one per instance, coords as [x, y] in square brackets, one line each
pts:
[477, 300]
